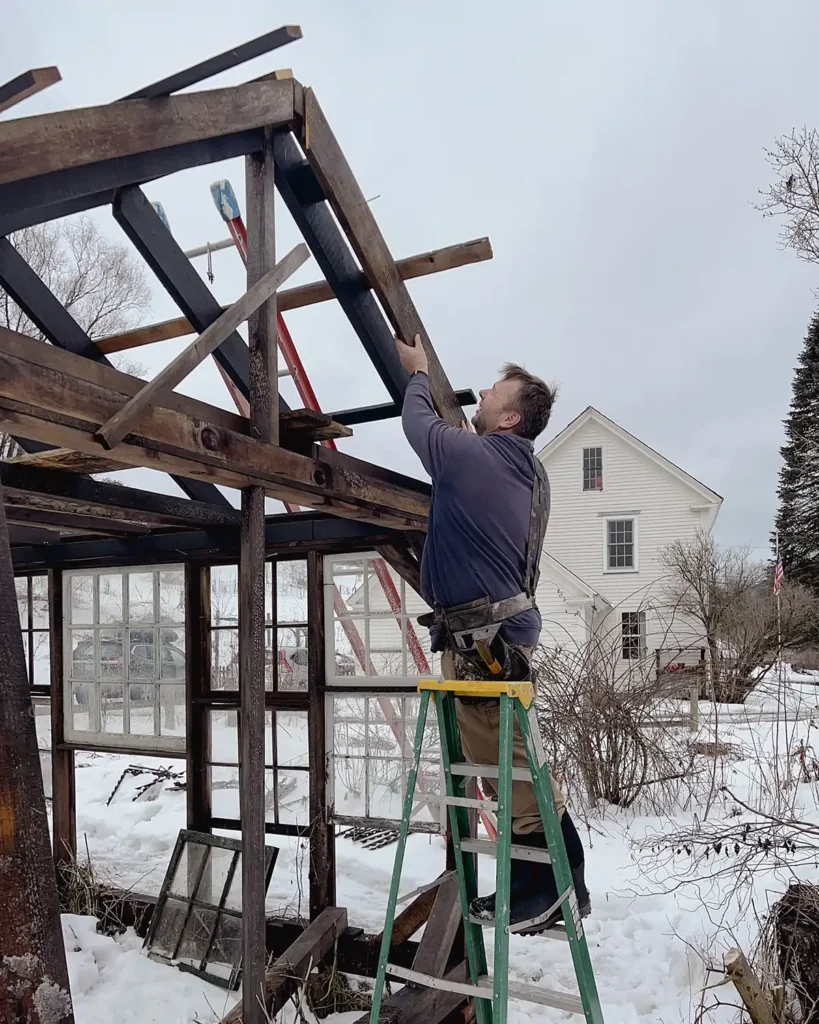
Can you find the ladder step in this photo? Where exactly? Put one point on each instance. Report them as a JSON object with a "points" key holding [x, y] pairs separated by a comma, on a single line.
{"points": [[483, 990], [557, 931], [490, 849], [469, 801], [487, 771]]}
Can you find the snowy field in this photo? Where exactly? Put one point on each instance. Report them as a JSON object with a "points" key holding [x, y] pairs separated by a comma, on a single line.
{"points": [[658, 918]]}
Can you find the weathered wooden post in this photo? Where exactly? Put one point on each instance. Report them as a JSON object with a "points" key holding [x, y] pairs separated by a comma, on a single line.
{"points": [[33, 973]]}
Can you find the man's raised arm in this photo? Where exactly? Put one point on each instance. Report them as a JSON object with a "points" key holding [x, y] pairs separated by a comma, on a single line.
{"points": [[432, 439]]}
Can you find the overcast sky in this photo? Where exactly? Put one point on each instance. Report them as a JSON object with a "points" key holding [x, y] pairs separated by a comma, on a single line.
{"points": [[611, 151]]}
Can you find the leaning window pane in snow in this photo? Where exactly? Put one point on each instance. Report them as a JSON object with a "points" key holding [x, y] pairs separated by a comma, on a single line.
{"points": [[189, 870], [167, 934]]}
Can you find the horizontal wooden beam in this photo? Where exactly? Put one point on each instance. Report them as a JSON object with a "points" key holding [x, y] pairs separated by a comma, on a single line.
{"points": [[154, 392], [65, 493], [68, 461], [433, 262], [286, 535], [27, 84], [65, 523], [221, 62], [46, 143], [356, 218], [42, 401]]}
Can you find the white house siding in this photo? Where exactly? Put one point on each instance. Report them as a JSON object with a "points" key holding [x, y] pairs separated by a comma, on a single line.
{"points": [[564, 625], [634, 486]]}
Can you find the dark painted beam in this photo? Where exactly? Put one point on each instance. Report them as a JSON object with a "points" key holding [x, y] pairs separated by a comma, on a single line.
{"points": [[387, 411], [332, 252], [54, 491], [60, 193], [180, 279], [221, 62], [27, 84], [294, 533]]}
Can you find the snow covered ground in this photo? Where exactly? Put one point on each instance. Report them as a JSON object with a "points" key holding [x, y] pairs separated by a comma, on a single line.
{"points": [[649, 935]]}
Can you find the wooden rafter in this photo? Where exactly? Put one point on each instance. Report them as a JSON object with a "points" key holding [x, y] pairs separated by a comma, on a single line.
{"points": [[27, 84], [425, 263], [44, 402], [154, 392], [356, 217], [47, 143]]}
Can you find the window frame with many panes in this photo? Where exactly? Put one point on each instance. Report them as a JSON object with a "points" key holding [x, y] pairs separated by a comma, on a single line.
{"points": [[593, 468], [110, 658], [609, 542]]}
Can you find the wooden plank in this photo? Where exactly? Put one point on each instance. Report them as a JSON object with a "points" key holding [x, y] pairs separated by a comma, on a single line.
{"points": [[64, 459], [112, 432], [404, 563], [436, 943], [56, 492], [30, 82], [49, 405], [221, 62], [423, 1006], [251, 751], [261, 329], [413, 917], [356, 217], [311, 948], [63, 785], [322, 868], [76, 138], [197, 684], [33, 973], [66, 523], [433, 262]]}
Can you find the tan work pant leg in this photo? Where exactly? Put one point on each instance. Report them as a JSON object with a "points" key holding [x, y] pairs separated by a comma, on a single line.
{"points": [[479, 725]]}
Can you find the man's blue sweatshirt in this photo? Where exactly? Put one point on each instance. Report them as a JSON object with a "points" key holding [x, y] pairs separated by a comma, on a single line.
{"points": [[479, 514]]}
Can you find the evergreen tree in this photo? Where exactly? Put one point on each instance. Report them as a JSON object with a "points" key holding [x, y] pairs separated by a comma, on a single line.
{"points": [[798, 516]]}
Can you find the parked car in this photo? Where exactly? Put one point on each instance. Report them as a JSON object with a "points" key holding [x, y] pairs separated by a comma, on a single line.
{"points": [[142, 661]]}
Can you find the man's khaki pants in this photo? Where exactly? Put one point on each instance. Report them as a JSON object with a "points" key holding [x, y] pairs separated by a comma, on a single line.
{"points": [[479, 724]]}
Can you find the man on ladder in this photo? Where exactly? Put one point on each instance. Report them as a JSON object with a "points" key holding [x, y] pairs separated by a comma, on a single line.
{"points": [[479, 572]]}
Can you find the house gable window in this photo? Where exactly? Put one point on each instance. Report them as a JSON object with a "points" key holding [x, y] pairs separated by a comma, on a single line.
{"points": [[620, 545], [592, 469], [634, 635]]}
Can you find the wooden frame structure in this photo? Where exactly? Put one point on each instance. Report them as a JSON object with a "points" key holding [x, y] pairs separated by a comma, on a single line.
{"points": [[74, 414]]}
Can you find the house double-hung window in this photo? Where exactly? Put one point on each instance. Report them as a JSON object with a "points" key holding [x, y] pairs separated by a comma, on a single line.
{"points": [[592, 469], [634, 635], [621, 545]]}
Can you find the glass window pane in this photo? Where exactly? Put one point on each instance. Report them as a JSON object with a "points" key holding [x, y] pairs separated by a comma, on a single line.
{"points": [[292, 659], [172, 654], [42, 659], [233, 900], [196, 936], [224, 736], [169, 929], [142, 708], [21, 589], [39, 602], [110, 597], [172, 595], [224, 659], [81, 590], [188, 869], [224, 595], [269, 569], [291, 738], [385, 788], [142, 655], [294, 797], [111, 711], [172, 709], [141, 597], [82, 706], [82, 654], [111, 665], [224, 785], [349, 647], [25, 653], [216, 875], [225, 957], [291, 591]]}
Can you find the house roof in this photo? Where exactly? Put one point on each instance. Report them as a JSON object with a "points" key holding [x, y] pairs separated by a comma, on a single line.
{"points": [[592, 414]]}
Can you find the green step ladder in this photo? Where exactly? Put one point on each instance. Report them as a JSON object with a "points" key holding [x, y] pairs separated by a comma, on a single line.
{"points": [[491, 995]]}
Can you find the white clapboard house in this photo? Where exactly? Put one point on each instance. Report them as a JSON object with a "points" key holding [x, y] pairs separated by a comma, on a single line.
{"points": [[616, 504]]}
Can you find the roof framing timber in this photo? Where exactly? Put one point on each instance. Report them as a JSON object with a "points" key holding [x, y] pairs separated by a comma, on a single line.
{"points": [[27, 84], [433, 262], [40, 399]]}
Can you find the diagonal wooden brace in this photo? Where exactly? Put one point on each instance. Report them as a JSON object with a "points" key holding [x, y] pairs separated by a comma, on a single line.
{"points": [[121, 423]]}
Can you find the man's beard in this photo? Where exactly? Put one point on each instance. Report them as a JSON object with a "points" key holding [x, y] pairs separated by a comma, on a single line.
{"points": [[479, 424]]}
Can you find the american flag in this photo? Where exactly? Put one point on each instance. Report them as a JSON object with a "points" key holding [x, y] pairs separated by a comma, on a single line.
{"points": [[779, 575]]}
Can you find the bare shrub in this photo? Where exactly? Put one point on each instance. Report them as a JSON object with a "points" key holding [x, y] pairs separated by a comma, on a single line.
{"points": [[603, 723]]}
